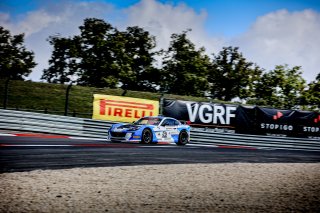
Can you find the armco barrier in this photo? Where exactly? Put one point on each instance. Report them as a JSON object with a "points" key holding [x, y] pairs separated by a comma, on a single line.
{"points": [[37, 122], [254, 141]]}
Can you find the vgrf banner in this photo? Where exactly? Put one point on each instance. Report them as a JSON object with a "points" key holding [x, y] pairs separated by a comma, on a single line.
{"points": [[201, 114], [123, 109]]}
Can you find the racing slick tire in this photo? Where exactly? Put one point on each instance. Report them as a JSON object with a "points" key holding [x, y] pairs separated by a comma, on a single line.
{"points": [[146, 136], [183, 138]]}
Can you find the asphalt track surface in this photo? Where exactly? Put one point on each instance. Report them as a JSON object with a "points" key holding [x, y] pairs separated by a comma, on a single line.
{"points": [[31, 153]]}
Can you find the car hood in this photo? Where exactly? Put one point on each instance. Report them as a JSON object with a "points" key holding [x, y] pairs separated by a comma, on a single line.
{"points": [[126, 126]]}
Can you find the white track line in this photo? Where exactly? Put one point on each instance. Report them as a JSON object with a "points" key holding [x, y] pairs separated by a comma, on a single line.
{"points": [[202, 145], [6, 134], [35, 145], [84, 138]]}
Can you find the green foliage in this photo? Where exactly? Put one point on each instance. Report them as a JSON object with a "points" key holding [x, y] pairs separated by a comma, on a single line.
{"points": [[102, 56], [232, 76], [95, 55], [15, 61], [281, 87], [311, 95], [63, 64], [185, 68], [135, 60]]}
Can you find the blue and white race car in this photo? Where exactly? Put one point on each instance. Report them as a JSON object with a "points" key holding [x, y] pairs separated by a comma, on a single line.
{"points": [[151, 130]]}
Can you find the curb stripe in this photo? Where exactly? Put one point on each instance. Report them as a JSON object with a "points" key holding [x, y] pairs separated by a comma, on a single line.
{"points": [[30, 145], [92, 139], [5, 134], [70, 145], [40, 135]]}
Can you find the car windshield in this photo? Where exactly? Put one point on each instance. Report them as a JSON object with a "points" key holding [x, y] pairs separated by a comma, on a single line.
{"points": [[148, 121]]}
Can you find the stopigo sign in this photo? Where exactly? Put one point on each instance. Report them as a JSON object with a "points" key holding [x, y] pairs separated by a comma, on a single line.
{"points": [[260, 120], [201, 114]]}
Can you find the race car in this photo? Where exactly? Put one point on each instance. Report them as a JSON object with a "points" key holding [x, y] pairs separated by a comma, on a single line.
{"points": [[151, 129]]}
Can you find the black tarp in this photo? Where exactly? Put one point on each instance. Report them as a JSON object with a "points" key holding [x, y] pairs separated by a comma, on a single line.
{"points": [[245, 119], [260, 120], [306, 124]]}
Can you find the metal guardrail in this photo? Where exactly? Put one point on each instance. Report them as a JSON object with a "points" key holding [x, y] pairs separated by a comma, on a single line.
{"points": [[45, 123], [254, 141]]}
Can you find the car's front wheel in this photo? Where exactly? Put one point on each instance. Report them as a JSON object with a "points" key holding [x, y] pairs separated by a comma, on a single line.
{"points": [[183, 138], [146, 136]]}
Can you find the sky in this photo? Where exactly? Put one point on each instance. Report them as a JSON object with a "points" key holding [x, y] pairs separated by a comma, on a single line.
{"points": [[267, 32]]}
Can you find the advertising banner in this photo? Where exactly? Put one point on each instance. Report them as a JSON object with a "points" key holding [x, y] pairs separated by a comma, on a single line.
{"points": [[201, 114], [244, 119], [122, 109], [307, 124], [274, 121], [270, 121]]}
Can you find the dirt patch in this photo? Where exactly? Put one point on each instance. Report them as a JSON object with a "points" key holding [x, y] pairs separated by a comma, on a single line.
{"points": [[234, 187]]}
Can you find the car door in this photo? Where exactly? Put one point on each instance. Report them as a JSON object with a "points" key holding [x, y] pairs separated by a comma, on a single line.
{"points": [[171, 127]]}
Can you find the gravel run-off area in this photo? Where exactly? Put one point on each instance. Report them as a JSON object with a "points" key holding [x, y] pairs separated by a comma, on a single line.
{"points": [[232, 187]]}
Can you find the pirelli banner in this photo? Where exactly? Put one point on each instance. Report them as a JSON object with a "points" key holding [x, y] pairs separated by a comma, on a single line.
{"points": [[201, 114], [122, 109]]}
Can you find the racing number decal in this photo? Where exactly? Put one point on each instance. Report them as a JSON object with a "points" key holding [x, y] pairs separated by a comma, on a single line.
{"points": [[164, 134]]}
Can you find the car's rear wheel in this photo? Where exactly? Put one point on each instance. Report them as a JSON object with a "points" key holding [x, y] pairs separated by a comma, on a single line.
{"points": [[146, 136], [183, 138]]}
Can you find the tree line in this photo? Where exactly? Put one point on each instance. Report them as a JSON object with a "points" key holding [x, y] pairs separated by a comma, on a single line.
{"points": [[103, 56]]}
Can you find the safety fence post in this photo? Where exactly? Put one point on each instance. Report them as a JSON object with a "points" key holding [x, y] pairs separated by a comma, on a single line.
{"points": [[5, 98], [67, 100], [161, 104]]}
